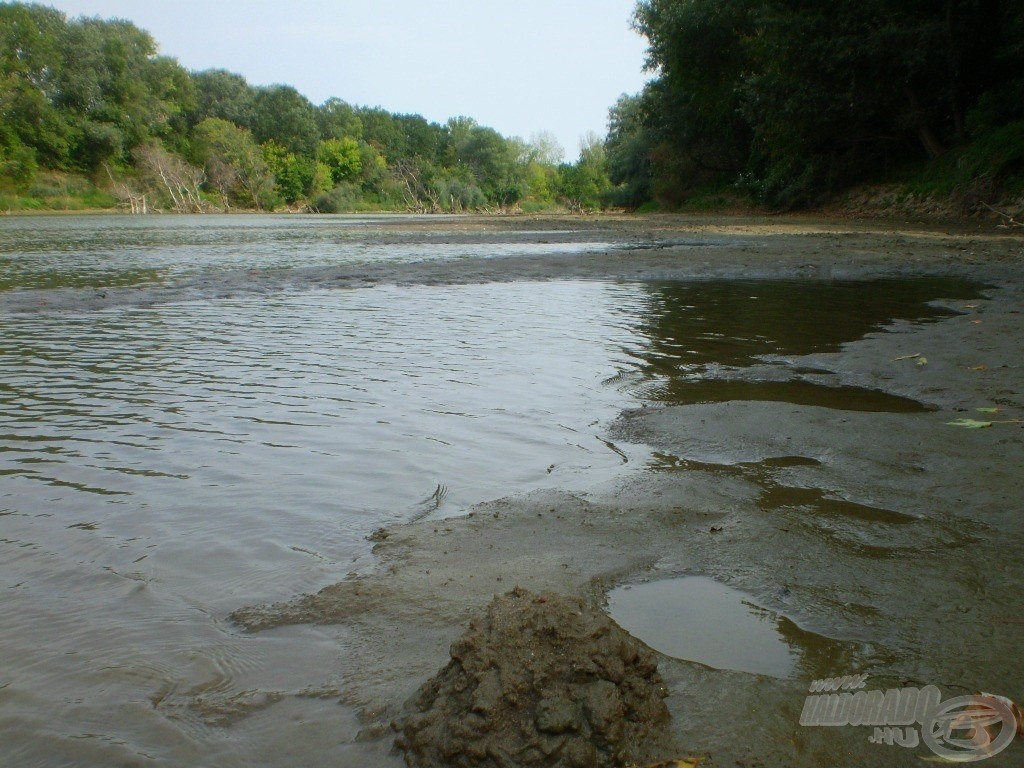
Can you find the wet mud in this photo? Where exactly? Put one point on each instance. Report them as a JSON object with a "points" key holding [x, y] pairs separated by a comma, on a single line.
{"points": [[881, 538], [539, 680]]}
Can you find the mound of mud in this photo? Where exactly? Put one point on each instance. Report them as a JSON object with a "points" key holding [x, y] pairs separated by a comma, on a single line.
{"points": [[539, 680]]}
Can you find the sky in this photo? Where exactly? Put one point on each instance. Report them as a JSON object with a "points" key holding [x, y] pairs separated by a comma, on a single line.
{"points": [[522, 67]]}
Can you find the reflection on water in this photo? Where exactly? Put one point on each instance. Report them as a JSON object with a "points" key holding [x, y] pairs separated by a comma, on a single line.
{"points": [[699, 619], [701, 332], [736, 322]]}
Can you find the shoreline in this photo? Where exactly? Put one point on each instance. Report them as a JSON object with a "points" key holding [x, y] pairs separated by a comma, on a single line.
{"points": [[642, 248], [920, 563]]}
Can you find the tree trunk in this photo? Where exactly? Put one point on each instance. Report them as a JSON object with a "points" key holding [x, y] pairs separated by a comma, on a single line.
{"points": [[925, 133], [955, 102]]}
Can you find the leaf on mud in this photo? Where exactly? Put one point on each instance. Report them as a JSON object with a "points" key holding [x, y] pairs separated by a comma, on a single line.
{"points": [[987, 410], [922, 360], [686, 762], [907, 357], [969, 423]]}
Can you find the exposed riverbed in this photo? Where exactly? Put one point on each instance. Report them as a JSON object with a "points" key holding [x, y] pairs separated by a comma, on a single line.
{"points": [[209, 421]]}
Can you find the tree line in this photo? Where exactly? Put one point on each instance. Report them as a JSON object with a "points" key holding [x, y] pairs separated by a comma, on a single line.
{"points": [[791, 100], [90, 102], [783, 101]]}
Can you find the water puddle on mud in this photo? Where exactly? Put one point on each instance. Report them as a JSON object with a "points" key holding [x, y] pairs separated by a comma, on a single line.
{"points": [[696, 618], [795, 392], [716, 341]]}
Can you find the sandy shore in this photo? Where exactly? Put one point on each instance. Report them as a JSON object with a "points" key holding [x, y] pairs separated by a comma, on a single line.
{"points": [[903, 563]]}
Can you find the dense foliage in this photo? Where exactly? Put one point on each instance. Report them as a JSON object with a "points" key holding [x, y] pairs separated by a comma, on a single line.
{"points": [[793, 99], [785, 100], [88, 104]]}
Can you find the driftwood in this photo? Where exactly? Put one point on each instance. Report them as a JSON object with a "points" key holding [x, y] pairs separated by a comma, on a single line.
{"points": [[137, 202], [1009, 221]]}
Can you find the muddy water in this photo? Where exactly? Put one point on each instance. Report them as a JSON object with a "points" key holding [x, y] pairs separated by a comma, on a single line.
{"points": [[161, 466]]}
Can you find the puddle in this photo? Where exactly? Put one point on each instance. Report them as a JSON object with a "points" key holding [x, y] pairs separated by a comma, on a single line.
{"points": [[736, 322], [705, 338], [699, 619], [759, 472], [815, 500]]}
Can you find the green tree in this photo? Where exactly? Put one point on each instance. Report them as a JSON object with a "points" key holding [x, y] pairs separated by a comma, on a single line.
{"points": [[629, 147], [799, 98], [283, 115], [224, 95], [338, 119], [493, 161], [29, 60], [381, 131], [235, 164], [294, 175], [585, 183], [342, 159], [17, 163]]}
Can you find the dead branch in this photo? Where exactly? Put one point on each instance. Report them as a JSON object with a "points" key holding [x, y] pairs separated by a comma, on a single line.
{"points": [[1010, 221]]}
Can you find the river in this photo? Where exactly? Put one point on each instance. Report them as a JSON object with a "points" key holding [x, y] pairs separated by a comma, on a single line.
{"points": [[185, 450]]}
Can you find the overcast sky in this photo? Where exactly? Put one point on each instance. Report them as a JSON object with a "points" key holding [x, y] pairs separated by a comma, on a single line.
{"points": [[520, 67]]}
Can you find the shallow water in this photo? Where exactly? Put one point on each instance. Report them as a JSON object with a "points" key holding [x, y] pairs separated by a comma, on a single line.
{"points": [[109, 251], [163, 466], [699, 619]]}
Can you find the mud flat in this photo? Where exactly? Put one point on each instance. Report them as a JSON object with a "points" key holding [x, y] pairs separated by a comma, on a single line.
{"points": [[600, 248], [878, 542]]}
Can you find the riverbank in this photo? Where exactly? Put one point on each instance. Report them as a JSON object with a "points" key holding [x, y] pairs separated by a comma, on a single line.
{"points": [[889, 541]]}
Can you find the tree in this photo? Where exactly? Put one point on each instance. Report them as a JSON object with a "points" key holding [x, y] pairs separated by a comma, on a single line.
{"points": [[584, 184], [630, 148], [492, 160], [103, 85], [17, 163], [544, 148], [294, 175], [283, 115], [796, 99], [234, 163], [379, 131], [168, 172], [342, 159], [224, 95], [29, 56], [693, 126], [337, 119]]}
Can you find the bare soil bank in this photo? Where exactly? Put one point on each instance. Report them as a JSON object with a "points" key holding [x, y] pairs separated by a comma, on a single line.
{"points": [[892, 542]]}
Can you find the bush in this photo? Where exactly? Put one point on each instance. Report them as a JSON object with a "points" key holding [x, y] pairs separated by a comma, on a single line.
{"points": [[344, 198]]}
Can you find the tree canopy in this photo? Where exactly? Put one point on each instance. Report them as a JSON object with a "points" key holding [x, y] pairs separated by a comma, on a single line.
{"points": [[792, 99], [93, 98]]}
